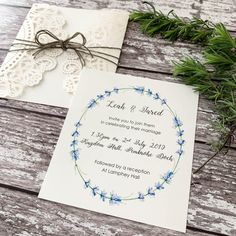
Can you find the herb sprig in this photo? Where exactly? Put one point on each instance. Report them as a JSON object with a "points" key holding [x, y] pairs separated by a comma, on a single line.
{"points": [[171, 26], [214, 76]]}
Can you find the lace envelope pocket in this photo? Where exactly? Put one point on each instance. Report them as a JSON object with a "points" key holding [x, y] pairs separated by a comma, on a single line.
{"points": [[53, 45]]}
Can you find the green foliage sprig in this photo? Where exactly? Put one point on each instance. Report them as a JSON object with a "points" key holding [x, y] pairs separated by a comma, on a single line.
{"points": [[214, 77], [172, 27]]}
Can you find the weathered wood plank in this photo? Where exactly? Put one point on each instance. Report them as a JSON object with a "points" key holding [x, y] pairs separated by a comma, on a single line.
{"points": [[27, 141], [22, 214], [205, 116], [18, 118], [202, 205], [138, 51], [25, 153], [13, 17], [223, 11], [204, 104], [3, 54], [131, 54]]}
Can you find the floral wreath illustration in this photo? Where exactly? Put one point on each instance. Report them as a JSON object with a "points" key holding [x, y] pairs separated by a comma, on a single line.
{"points": [[166, 178]]}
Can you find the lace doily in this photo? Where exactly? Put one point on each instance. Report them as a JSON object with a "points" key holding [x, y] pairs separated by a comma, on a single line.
{"points": [[20, 69], [72, 66]]}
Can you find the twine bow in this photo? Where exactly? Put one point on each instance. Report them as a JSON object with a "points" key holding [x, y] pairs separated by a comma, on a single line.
{"points": [[79, 48]]}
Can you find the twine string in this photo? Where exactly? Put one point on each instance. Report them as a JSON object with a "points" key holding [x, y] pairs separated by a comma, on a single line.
{"points": [[80, 48]]}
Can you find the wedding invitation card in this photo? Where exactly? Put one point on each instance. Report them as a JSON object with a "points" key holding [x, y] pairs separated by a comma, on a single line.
{"points": [[126, 149], [35, 73]]}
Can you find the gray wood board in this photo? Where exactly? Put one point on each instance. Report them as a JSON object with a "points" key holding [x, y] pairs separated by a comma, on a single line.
{"points": [[29, 132]]}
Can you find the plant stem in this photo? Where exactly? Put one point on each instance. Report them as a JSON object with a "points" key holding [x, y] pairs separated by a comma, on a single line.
{"points": [[214, 77], [228, 140]]}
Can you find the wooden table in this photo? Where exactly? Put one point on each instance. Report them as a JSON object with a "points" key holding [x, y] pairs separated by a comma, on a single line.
{"points": [[29, 132]]}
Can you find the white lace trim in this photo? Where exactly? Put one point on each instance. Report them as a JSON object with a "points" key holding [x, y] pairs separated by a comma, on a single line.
{"points": [[21, 69]]}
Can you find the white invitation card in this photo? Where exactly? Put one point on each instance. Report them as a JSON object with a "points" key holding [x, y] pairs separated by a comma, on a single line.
{"points": [[35, 73], [126, 149]]}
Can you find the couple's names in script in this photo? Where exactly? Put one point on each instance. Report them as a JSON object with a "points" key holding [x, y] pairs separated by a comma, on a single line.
{"points": [[136, 147], [144, 109]]}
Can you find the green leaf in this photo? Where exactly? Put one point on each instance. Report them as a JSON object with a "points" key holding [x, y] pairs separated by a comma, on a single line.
{"points": [[215, 76]]}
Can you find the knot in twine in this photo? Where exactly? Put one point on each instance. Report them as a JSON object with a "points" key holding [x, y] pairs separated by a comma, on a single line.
{"points": [[80, 48]]}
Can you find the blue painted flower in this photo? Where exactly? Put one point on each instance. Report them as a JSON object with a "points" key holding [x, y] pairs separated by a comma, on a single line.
{"points": [[116, 90], [139, 89], [74, 154], [108, 93], [78, 124], [100, 97], [177, 122], [103, 195], [156, 96], [163, 101], [180, 152], [92, 103], [181, 142], [151, 192], [180, 133], [114, 199], [75, 134], [168, 176], [141, 196], [149, 92], [87, 183], [159, 186], [74, 143], [94, 190]]}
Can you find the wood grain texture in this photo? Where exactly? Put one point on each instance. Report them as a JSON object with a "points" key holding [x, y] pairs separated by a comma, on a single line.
{"points": [[138, 51], [29, 132], [23, 215], [27, 144], [223, 11], [28, 139], [204, 104], [17, 118], [205, 117]]}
